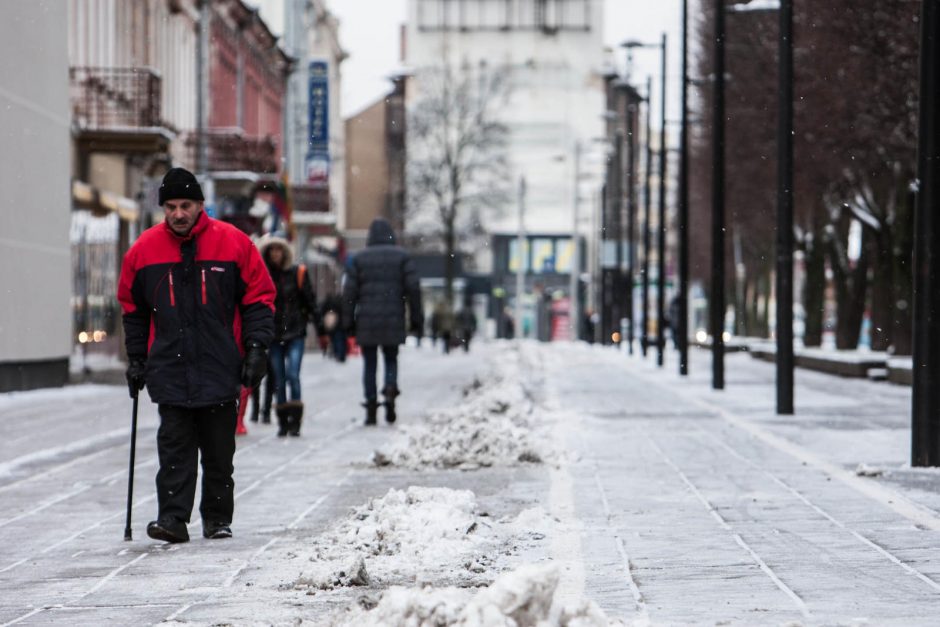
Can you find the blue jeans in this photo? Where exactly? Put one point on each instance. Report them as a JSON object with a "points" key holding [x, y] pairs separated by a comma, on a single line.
{"points": [[338, 339], [291, 352], [370, 359]]}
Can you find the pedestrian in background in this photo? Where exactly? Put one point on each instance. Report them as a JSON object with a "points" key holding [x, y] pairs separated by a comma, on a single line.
{"points": [[261, 401], [466, 325], [379, 282], [198, 313], [294, 308], [445, 322]]}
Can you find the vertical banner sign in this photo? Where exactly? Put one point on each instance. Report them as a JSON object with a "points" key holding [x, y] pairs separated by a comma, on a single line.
{"points": [[318, 140]]}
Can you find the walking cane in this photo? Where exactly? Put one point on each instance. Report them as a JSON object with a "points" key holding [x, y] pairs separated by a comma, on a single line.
{"points": [[130, 474]]}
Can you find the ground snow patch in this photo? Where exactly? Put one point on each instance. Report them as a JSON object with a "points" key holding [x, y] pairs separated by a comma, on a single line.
{"points": [[493, 425], [525, 596], [407, 536], [864, 470]]}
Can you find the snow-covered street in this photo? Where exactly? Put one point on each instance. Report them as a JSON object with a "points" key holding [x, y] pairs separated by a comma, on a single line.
{"points": [[549, 484]]}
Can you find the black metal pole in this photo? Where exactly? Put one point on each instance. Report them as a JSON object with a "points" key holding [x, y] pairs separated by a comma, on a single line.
{"points": [[681, 325], [130, 473], [631, 213], [616, 209], [925, 419], [661, 227], [717, 300], [785, 215], [648, 188]]}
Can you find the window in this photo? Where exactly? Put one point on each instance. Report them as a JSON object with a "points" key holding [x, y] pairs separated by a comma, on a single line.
{"points": [[490, 15]]}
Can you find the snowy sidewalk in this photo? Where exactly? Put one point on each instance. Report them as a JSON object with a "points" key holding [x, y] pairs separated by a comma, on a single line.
{"points": [[726, 512], [566, 474]]}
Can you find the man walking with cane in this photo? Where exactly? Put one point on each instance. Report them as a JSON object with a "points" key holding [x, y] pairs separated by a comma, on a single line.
{"points": [[198, 310]]}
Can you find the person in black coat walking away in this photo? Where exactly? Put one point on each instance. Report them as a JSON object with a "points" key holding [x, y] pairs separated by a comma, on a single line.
{"points": [[466, 325], [294, 307], [380, 280]]}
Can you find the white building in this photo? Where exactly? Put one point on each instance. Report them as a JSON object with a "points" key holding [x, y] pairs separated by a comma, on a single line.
{"points": [[35, 322], [554, 52]]}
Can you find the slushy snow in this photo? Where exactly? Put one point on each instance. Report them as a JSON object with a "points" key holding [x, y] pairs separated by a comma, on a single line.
{"points": [[496, 424], [525, 596], [408, 536]]}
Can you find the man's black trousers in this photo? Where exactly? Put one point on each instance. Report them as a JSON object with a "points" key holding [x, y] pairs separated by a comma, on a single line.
{"points": [[184, 434]]}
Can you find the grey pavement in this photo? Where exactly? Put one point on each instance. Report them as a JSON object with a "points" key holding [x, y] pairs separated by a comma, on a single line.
{"points": [[679, 505]]}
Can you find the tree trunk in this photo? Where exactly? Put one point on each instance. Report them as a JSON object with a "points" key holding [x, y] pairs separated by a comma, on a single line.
{"points": [[763, 320], [814, 292], [851, 287], [449, 257], [882, 290]]}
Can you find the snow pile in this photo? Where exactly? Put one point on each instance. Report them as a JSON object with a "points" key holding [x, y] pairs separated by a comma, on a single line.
{"points": [[864, 470], [525, 596], [493, 425], [405, 536]]}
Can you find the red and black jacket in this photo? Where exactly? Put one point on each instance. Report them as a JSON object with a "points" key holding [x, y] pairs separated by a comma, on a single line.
{"points": [[190, 304]]}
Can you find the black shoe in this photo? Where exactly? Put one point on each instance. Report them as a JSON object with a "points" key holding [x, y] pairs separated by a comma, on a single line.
{"points": [[216, 530], [168, 530]]}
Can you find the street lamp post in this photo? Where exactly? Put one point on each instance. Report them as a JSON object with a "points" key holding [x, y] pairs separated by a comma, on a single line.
{"points": [[784, 248], [647, 188], [681, 326], [615, 188], [631, 216], [573, 297], [785, 215], [661, 235], [717, 300], [925, 418], [521, 252], [661, 259]]}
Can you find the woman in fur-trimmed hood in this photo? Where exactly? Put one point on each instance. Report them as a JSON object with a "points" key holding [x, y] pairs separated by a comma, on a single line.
{"points": [[294, 307]]}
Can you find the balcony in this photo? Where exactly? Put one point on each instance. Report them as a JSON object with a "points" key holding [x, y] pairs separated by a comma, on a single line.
{"points": [[229, 150], [118, 109]]}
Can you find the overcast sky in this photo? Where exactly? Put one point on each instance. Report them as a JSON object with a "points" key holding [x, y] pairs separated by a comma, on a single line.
{"points": [[369, 31]]}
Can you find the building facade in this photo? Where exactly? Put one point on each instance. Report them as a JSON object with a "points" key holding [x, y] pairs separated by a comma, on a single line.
{"points": [[154, 84], [314, 133], [553, 54], [375, 165], [34, 219], [241, 146]]}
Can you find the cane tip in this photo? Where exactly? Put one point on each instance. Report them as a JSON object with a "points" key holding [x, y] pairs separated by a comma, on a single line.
{"points": [[127, 536]]}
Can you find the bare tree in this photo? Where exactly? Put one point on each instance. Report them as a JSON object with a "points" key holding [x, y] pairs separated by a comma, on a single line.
{"points": [[855, 142], [457, 163]]}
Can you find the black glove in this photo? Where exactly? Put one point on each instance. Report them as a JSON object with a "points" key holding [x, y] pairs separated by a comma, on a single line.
{"points": [[135, 376], [255, 364]]}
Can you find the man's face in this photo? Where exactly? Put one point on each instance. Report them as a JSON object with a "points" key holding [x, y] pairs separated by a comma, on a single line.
{"points": [[181, 214]]}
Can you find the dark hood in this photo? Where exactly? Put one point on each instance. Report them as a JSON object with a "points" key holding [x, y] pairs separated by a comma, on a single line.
{"points": [[380, 232]]}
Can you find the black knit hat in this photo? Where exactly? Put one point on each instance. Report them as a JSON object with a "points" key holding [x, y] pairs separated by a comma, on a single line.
{"points": [[179, 183]]}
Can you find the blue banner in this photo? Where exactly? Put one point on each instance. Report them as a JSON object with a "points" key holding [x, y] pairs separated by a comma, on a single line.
{"points": [[318, 139]]}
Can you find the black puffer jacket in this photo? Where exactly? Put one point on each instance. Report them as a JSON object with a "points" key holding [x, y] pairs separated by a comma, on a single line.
{"points": [[379, 281], [296, 302]]}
